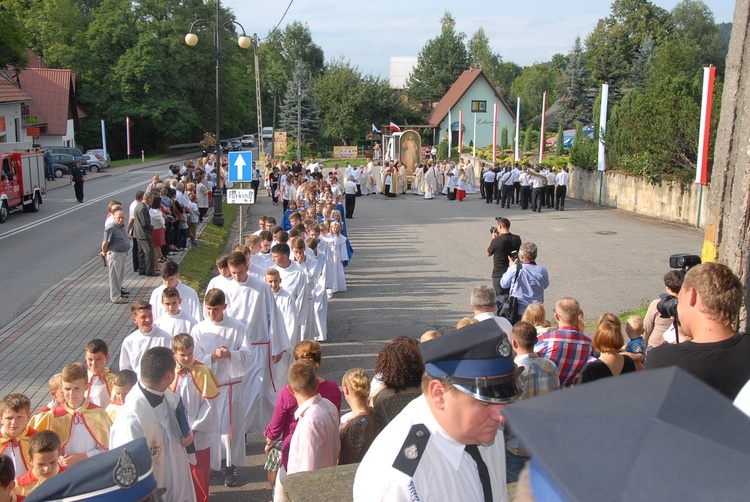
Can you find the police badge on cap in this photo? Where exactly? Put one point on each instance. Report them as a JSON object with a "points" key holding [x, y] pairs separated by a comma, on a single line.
{"points": [[477, 360]]}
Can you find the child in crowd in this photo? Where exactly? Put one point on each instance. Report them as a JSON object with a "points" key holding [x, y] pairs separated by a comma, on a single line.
{"points": [[429, 335], [15, 411], [466, 321], [221, 343], [287, 310], [337, 244], [315, 442], [100, 379], [193, 219], [537, 317], [44, 452], [197, 386], [124, 382], [83, 427], [170, 278], [139, 341], [224, 278], [7, 481], [357, 427], [55, 390], [635, 347], [174, 320]]}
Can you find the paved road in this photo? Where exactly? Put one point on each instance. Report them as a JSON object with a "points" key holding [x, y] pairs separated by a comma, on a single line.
{"points": [[414, 267]]}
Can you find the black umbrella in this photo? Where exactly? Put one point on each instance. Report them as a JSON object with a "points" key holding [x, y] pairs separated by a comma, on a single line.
{"points": [[653, 435]]}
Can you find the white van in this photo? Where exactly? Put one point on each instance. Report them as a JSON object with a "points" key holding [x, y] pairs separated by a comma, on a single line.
{"points": [[268, 133]]}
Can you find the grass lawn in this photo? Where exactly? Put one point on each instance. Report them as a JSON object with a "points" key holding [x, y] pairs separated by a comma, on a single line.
{"points": [[196, 268]]}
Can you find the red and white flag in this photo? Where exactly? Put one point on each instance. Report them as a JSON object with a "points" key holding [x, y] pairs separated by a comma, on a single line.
{"points": [[395, 128]]}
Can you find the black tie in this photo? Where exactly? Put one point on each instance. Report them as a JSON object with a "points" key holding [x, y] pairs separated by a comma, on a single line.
{"points": [[484, 474]]}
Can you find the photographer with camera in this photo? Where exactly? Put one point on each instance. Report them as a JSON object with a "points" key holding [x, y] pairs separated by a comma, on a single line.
{"points": [[525, 279], [708, 307], [654, 324], [502, 245]]}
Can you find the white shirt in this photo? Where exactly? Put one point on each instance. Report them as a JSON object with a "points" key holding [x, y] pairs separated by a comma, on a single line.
{"points": [[182, 322], [523, 179], [315, 442], [136, 344], [563, 178], [190, 302], [445, 470], [489, 177], [504, 324]]}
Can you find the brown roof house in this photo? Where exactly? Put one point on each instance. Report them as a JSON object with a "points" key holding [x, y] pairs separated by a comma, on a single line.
{"points": [[12, 100], [54, 109], [474, 94]]}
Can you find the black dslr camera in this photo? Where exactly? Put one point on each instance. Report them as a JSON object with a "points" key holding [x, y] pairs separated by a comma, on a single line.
{"points": [[667, 306]]}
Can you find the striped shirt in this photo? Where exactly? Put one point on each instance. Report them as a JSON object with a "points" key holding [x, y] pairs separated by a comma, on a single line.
{"points": [[568, 349], [540, 375]]}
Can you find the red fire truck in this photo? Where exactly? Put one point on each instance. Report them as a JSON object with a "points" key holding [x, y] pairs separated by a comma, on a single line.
{"points": [[22, 182]]}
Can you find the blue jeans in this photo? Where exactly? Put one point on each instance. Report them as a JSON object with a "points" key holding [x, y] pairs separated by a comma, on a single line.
{"points": [[513, 466]]}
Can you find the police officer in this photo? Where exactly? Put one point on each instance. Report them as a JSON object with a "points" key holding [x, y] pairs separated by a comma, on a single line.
{"points": [[77, 177], [448, 443]]}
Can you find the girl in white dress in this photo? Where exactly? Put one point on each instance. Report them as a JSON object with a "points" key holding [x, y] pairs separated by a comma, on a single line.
{"points": [[337, 244]]}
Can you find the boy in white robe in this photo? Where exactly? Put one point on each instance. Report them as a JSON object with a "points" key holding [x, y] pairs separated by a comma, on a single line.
{"points": [[145, 337], [198, 387], [222, 280], [287, 311], [309, 265], [295, 281], [150, 412], [174, 320], [222, 344], [101, 380], [170, 277], [250, 301]]}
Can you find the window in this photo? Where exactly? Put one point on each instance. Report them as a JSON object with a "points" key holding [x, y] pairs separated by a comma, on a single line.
{"points": [[479, 106]]}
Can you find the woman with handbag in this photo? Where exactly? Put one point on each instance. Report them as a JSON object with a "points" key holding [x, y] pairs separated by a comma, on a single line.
{"points": [[526, 280]]}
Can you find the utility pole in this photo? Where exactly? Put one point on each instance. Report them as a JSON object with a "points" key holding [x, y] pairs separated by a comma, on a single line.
{"points": [[259, 112], [727, 239]]}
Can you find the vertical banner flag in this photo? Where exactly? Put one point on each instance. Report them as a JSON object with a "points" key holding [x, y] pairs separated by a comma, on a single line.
{"points": [[603, 125], [518, 127], [701, 173], [460, 131], [494, 135], [474, 143], [450, 134], [104, 139], [541, 131], [127, 133]]}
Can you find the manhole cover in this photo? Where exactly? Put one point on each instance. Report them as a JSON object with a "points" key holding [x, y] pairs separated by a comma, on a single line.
{"points": [[606, 232]]}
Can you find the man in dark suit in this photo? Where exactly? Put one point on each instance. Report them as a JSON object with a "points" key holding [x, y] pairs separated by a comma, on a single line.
{"points": [[142, 228]]}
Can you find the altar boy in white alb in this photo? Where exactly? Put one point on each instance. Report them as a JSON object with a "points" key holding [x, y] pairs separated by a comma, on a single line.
{"points": [[250, 301], [221, 343], [287, 311], [174, 320], [150, 412]]}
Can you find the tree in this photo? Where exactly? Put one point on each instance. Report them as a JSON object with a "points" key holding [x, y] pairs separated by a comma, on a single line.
{"points": [[340, 94], [612, 47], [13, 39], [299, 102], [560, 141], [441, 61], [527, 139], [504, 138], [481, 55], [530, 86], [642, 63], [575, 103]]}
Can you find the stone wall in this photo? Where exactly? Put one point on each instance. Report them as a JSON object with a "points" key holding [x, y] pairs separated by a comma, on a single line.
{"points": [[669, 201]]}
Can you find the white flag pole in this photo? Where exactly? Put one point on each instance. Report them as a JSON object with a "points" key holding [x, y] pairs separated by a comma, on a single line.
{"points": [[518, 127], [602, 134]]}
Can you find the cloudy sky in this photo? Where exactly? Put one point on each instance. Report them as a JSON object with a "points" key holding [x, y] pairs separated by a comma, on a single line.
{"points": [[369, 33]]}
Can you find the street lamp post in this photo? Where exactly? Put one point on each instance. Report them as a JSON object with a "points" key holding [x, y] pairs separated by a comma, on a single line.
{"points": [[244, 42]]}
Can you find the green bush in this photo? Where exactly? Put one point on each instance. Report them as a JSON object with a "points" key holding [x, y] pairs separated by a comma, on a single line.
{"points": [[584, 154], [291, 150], [504, 138]]}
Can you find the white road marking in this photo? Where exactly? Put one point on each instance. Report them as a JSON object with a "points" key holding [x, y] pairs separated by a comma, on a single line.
{"points": [[66, 212]]}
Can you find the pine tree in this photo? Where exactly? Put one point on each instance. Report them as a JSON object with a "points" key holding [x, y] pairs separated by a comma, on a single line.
{"points": [[298, 91], [642, 63], [527, 139], [574, 101], [441, 61], [560, 141]]}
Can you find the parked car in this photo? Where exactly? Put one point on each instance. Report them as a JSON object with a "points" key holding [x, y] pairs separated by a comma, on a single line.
{"points": [[95, 162], [248, 140], [60, 170], [225, 145], [568, 136], [236, 144], [99, 153], [75, 152], [63, 159]]}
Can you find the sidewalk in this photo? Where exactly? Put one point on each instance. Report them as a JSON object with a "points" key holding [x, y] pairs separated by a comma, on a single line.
{"points": [[54, 331]]}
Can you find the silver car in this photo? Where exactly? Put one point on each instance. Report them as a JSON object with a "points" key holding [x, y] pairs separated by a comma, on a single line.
{"points": [[95, 162]]}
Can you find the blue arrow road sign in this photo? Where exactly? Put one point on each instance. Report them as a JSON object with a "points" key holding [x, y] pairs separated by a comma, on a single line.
{"points": [[241, 166]]}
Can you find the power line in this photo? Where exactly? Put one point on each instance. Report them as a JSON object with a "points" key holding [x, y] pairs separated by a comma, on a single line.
{"points": [[280, 20]]}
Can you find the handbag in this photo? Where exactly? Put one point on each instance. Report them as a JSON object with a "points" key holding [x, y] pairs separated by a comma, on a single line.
{"points": [[507, 305]]}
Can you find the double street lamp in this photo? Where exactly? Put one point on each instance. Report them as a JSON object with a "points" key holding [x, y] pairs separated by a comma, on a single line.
{"points": [[244, 42]]}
